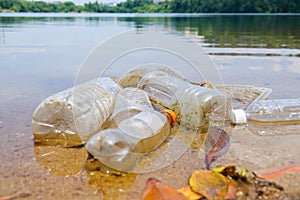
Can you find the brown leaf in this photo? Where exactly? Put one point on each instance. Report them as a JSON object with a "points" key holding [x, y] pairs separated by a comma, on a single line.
{"points": [[217, 143], [156, 190], [279, 172], [212, 185], [231, 191]]}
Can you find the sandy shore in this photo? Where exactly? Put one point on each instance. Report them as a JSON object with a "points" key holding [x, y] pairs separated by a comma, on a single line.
{"points": [[59, 173]]}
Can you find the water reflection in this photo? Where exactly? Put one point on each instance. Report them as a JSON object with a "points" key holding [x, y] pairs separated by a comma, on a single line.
{"points": [[257, 52], [2, 37], [294, 66], [24, 21], [245, 31], [268, 31]]}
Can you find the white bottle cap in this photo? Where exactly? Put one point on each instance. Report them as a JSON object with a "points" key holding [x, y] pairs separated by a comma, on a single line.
{"points": [[238, 116]]}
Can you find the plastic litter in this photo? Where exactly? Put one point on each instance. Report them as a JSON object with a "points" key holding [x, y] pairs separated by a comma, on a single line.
{"points": [[70, 117], [194, 105]]}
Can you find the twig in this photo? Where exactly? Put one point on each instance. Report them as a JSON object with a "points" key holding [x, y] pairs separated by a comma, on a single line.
{"points": [[279, 172], [14, 196]]}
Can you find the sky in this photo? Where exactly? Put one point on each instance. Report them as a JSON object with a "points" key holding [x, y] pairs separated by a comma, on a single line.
{"points": [[81, 2]]}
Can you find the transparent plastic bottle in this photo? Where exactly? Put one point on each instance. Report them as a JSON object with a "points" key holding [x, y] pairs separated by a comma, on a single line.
{"points": [[243, 95], [194, 105], [129, 102], [133, 129], [132, 78], [70, 117], [270, 117]]}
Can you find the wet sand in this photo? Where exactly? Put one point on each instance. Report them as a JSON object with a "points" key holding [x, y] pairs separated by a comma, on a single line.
{"points": [[59, 173]]}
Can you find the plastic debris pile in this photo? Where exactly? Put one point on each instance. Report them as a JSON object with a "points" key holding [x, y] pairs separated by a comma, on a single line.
{"points": [[120, 120]]}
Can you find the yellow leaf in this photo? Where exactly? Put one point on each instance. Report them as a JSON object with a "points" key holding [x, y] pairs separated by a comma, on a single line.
{"points": [[190, 194], [210, 184]]}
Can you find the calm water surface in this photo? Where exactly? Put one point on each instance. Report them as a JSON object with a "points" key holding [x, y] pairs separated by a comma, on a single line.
{"points": [[41, 54]]}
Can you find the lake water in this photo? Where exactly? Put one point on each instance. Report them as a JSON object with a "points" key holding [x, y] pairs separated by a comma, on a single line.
{"points": [[41, 54]]}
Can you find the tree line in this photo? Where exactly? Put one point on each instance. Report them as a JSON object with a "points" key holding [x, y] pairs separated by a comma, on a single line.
{"points": [[166, 6]]}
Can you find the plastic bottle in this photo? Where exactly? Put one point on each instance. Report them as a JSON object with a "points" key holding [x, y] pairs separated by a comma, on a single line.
{"points": [[270, 117], [133, 129], [129, 102], [194, 105], [243, 95], [132, 78], [70, 117]]}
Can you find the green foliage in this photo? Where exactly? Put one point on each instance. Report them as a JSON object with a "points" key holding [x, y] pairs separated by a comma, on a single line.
{"points": [[209, 6], [38, 6], [166, 6]]}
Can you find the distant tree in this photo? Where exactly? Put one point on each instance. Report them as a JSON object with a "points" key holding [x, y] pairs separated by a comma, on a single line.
{"points": [[69, 6], [19, 6], [92, 7], [146, 6], [7, 4]]}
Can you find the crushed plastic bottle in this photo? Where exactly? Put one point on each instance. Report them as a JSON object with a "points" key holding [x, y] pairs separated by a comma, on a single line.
{"points": [[243, 95], [132, 130], [70, 117], [270, 117], [194, 105]]}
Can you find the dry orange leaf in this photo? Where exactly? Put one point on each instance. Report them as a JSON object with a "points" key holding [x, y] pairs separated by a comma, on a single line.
{"points": [[212, 185], [190, 194], [156, 190]]}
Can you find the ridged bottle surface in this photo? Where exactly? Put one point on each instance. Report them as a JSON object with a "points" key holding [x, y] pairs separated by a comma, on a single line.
{"points": [[70, 117], [132, 78], [281, 111], [142, 133], [133, 129], [271, 117], [194, 105]]}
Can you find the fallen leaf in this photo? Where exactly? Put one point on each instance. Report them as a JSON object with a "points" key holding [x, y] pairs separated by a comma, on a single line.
{"points": [[236, 173], [248, 185], [279, 172], [231, 191], [156, 190], [212, 185], [217, 142], [190, 194]]}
